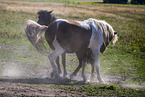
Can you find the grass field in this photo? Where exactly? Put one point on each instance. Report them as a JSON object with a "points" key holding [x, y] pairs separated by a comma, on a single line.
{"points": [[122, 65]]}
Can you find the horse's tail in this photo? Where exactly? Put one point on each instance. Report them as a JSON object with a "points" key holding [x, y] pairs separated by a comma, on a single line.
{"points": [[34, 31]]}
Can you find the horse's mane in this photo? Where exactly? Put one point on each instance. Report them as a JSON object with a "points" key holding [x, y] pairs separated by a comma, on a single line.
{"points": [[106, 29]]}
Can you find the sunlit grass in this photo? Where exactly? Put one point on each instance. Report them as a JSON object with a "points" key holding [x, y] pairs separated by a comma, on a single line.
{"points": [[126, 59], [129, 29]]}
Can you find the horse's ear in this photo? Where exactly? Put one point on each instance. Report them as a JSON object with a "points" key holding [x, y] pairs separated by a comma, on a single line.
{"points": [[50, 11]]}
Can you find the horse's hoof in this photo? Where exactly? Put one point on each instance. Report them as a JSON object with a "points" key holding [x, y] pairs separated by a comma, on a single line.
{"points": [[92, 79], [59, 71], [101, 81], [72, 77], [53, 74], [88, 81], [64, 76], [84, 80]]}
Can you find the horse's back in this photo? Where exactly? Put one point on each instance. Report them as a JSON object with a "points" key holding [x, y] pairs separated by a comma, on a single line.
{"points": [[72, 36]]}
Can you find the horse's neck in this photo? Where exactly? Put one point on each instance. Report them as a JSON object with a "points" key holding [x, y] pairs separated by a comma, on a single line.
{"points": [[53, 18]]}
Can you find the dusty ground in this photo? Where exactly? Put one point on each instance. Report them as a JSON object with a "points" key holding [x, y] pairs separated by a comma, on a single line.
{"points": [[24, 73], [21, 77], [12, 89]]}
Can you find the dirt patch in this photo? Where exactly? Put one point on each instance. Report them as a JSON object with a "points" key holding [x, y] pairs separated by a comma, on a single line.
{"points": [[8, 89]]}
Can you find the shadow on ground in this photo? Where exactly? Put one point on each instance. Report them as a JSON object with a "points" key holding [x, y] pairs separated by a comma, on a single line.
{"points": [[63, 81]]}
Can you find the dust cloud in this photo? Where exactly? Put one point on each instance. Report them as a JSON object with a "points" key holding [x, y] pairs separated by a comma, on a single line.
{"points": [[12, 70]]}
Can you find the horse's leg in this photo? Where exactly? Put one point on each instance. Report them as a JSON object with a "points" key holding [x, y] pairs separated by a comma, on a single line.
{"points": [[52, 60], [83, 70], [79, 56], [77, 69], [90, 59], [92, 72], [64, 64], [58, 65], [84, 59], [96, 63], [52, 57]]}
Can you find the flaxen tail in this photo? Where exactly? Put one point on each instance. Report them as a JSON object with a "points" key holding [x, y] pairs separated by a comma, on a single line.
{"points": [[34, 31]]}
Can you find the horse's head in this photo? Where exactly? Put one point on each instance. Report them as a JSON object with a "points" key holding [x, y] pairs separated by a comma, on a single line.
{"points": [[108, 34], [45, 17]]}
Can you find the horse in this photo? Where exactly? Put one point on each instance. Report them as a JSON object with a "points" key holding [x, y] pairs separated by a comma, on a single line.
{"points": [[44, 19], [78, 37], [44, 16]]}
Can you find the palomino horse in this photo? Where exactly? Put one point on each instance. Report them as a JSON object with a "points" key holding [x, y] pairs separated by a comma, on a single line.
{"points": [[75, 36]]}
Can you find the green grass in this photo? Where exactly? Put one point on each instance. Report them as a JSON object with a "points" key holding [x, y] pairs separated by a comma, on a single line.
{"points": [[86, 2], [101, 90], [95, 90], [127, 55], [14, 45], [126, 59]]}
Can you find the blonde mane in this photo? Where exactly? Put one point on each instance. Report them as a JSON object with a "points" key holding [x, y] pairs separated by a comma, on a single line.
{"points": [[105, 28]]}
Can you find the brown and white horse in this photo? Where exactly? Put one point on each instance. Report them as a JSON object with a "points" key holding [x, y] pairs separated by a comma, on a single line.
{"points": [[80, 37], [44, 18]]}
